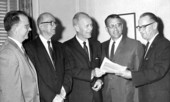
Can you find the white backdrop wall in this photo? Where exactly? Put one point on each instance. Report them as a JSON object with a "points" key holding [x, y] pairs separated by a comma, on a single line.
{"points": [[64, 10]]}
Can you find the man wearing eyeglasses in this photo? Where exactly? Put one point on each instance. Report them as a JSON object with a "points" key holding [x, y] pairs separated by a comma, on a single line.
{"points": [[49, 59], [153, 78], [124, 51]]}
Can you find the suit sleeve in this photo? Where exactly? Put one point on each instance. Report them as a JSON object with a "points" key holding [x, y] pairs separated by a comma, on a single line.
{"points": [[139, 52], [10, 79], [159, 67], [67, 72]]}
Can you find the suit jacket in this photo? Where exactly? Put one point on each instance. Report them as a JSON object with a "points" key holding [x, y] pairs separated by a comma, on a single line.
{"points": [[18, 78], [117, 89], [82, 83], [153, 79], [50, 79]]}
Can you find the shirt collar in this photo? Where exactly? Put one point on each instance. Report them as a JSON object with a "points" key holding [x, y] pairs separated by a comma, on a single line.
{"points": [[81, 42], [117, 40], [17, 42]]}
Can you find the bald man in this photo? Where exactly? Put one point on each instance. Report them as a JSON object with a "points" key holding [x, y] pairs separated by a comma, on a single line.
{"points": [[49, 59]]}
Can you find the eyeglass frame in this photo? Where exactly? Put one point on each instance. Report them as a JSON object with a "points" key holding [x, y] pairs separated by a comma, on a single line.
{"points": [[115, 25], [51, 23], [144, 26]]}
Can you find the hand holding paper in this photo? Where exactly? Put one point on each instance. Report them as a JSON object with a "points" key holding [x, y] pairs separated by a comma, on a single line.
{"points": [[97, 72], [125, 74], [111, 67]]}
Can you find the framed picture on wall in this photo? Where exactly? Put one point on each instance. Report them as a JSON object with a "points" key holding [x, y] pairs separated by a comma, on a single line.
{"points": [[129, 24]]}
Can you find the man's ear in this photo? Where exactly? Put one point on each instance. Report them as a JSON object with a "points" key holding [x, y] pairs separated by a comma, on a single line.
{"points": [[76, 27], [106, 29], [40, 26], [155, 25]]}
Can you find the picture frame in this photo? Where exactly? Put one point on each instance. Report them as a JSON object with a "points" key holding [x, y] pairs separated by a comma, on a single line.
{"points": [[129, 24]]}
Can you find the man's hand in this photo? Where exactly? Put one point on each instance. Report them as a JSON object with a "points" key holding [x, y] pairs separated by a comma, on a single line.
{"points": [[125, 74], [97, 72], [58, 98], [98, 85]]}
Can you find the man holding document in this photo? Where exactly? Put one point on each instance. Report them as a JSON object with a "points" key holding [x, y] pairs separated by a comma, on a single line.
{"points": [[153, 77], [118, 52]]}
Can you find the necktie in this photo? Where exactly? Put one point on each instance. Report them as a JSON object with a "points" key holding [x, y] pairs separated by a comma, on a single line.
{"points": [[146, 48], [26, 56], [86, 49], [51, 52], [24, 52], [112, 50]]}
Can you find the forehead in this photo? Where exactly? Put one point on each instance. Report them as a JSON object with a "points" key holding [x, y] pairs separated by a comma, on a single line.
{"points": [[113, 21], [48, 17], [144, 20], [85, 19]]}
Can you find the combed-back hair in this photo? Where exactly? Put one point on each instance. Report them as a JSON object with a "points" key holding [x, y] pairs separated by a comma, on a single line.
{"points": [[112, 16], [151, 15], [12, 18]]}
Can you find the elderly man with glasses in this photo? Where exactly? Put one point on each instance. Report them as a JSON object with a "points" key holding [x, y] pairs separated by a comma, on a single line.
{"points": [[49, 59], [153, 78]]}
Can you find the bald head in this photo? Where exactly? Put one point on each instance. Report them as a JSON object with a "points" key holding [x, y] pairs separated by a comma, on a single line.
{"points": [[46, 23], [78, 16], [44, 16]]}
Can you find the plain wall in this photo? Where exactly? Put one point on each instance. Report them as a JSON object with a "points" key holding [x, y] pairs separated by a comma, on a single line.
{"points": [[64, 10]]}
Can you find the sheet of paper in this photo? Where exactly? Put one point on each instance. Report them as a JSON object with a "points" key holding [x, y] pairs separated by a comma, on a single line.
{"points": [[111, 67]]}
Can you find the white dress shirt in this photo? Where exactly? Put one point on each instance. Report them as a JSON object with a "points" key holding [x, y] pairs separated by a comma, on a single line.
{"points": [[82, 45]]}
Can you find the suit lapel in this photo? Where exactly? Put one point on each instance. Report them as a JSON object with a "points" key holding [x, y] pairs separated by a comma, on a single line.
{"points": [[91, 50], [29, 63], [42, 52], [152, 46], [120, 47], [106, 49], [79, 48]]}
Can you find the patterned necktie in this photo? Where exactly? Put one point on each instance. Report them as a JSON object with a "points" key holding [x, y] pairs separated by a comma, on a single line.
{"points": [[112, 50], [86, 49]]}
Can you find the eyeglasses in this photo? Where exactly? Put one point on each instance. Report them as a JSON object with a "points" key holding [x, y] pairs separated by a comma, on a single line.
{"points": [[144, 26], [50, 22], [115, 26]]}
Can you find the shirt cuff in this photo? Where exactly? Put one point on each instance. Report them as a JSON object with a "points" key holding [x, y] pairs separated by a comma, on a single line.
{"points": [[63, 93]]}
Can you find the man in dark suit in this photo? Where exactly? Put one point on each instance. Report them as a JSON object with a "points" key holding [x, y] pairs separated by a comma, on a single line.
{"points": [[49, 59], [153, 78], [18, 77], [85, 56], [126, 52]]}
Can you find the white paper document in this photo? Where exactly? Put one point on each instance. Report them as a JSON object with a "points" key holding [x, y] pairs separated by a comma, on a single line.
{"points": [[111, 67]]}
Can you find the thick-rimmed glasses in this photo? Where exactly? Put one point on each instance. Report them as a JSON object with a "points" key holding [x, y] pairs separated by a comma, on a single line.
{"points": [[144, 26], [115, 26], [50, 22]]}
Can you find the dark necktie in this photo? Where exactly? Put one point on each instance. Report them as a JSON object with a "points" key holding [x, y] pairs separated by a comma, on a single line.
{"points": [[86, 49], [112, 50], [51, 52], [146, 48]]}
